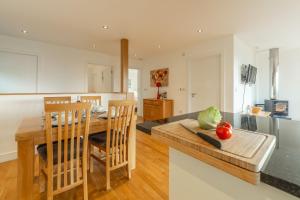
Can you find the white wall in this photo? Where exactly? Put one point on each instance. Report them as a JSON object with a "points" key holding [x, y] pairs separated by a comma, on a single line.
{"points": [[63, 69], [243, 54], [15, 108], [263, 73], [60, 69], [177, 79], [177, 62], [289, 80], [18, 72]]}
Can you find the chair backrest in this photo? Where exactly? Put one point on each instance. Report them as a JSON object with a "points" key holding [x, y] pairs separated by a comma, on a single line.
{"points": [[69, 129], [94, 100], [120, 118], [57, 100]]}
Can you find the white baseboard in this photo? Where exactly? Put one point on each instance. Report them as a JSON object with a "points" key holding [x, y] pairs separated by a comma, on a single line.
{"points": [[8, 156]]}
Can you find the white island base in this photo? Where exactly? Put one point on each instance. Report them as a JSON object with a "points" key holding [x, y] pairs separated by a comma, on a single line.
{"points": [[192, 179]]}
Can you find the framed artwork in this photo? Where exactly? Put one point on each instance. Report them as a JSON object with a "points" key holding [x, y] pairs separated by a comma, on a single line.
{"points": [[161, 76]]}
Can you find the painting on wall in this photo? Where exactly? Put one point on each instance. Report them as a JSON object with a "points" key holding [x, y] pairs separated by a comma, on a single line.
{"points": [[161, 76]]}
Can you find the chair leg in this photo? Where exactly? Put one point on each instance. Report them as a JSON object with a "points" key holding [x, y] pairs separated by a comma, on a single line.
{"points": [[37, 168], [107, 170], [85, 166], [85, 183], [49, 189], [90, 158], [129, 171], [85, 192], [108, 179], [40, 165]]}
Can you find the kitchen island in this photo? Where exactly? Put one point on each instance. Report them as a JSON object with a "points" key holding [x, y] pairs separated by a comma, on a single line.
{"points": [[279, 179]]}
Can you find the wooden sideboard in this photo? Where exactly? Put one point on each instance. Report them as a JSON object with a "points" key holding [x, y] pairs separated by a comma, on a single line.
{"points": [[157, 109]]}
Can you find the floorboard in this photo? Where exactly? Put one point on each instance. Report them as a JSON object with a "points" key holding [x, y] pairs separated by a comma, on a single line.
{"points": [[149, 179]]}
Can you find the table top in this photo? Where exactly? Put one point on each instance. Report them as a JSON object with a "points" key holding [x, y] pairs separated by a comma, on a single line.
{"points": [[34, 128]]}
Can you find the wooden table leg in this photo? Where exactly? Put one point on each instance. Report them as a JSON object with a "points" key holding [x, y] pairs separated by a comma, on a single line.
{"points": [[25, 169]]}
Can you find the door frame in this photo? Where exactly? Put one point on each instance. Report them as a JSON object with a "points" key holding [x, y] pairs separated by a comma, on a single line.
{"points": [[139, 89], [222, 78], [86, 79]]}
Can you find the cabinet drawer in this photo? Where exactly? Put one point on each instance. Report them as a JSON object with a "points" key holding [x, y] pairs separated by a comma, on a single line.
{"points": [[157, 109], [153, 102], [152, 112]]}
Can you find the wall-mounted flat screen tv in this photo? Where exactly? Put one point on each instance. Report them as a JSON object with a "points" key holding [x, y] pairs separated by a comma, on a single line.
{"points": [[248, 74]]}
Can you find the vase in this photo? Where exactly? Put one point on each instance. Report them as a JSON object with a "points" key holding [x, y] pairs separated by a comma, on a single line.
{"points": [[158, 95]]}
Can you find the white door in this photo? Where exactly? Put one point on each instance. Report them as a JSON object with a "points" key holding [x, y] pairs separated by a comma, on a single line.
{"points": [[205, 82]]}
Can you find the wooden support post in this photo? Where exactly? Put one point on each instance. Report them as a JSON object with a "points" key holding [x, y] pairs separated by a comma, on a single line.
{"points": [[124, 65]]}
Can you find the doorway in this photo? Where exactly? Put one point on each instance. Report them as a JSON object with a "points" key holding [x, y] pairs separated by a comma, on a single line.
{"points": [[134, 86], [204, 82], [99, 78]]}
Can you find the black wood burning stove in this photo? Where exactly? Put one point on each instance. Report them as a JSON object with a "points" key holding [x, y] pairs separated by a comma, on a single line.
{"points": [[278, 108]]}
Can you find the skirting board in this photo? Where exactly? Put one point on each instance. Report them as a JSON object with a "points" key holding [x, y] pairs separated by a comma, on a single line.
{"points": [[8, 156]]}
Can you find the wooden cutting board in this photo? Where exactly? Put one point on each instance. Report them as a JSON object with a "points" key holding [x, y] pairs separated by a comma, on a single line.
{"points": [[242, 143], [248, 150]]}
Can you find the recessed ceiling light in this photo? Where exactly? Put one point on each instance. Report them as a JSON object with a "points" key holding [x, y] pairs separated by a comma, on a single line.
{"points": [[199, 30], [24, 31], [105, 27]]}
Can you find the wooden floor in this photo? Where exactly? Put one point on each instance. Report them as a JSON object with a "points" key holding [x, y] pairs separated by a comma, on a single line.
{"points": [[149, 179]]}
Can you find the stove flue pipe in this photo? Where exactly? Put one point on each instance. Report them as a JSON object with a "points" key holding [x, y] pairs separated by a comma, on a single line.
{"points": [[274, 72]]}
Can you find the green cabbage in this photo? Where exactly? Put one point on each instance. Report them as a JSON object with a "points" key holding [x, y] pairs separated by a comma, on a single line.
{"points": [[209, 118]]}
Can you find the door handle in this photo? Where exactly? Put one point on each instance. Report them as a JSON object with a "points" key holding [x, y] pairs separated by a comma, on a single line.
{"points": [[194, 94]]}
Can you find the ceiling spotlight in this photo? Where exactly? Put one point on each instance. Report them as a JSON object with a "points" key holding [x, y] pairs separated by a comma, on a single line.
{"points": [[24, 31], [105, 27], [199, 30]]}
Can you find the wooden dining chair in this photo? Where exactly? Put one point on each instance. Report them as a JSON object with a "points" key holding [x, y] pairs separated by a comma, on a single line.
{"points": [[64, 157], [114, 143], [51, 100], [91, 99]]}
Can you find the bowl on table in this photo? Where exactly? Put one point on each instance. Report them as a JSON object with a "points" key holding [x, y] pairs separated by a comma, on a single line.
{"points": [[256, 110], [98, 109]]}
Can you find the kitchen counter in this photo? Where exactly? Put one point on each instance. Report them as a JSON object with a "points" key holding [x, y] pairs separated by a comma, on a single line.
{"points": [[283, 168]]}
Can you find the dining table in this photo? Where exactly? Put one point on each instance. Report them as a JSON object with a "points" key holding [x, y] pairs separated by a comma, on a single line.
{"points": [[31, 133]]}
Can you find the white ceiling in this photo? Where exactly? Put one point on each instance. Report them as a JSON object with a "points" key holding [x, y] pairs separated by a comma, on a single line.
{"points": [[171, 24]]}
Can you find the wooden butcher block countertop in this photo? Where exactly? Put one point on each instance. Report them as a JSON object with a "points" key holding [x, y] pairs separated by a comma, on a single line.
{"points": [[243, 155]]}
